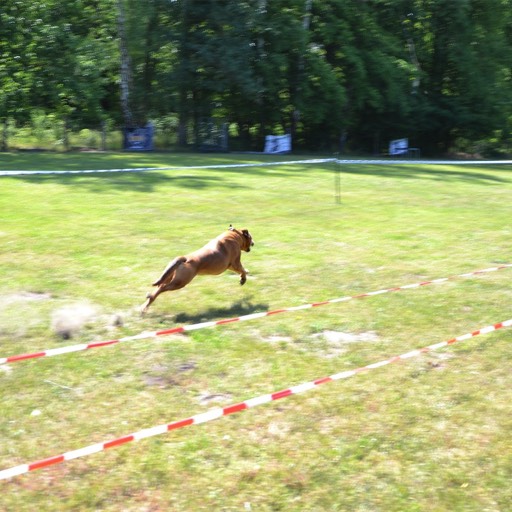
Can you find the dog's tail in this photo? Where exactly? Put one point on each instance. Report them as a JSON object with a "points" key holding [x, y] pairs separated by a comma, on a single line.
{"points": [[173, 265]]}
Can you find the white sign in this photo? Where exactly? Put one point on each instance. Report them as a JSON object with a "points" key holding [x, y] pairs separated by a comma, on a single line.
{"points": [[278, 143]]}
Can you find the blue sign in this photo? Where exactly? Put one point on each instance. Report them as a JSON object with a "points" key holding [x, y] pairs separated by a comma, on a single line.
{"points": [[139, 139]]}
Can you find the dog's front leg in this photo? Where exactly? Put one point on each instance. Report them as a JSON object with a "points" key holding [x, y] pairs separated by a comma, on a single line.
{"points": [[239, 269]]}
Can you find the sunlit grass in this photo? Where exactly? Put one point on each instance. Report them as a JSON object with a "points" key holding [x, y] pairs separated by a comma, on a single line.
{"points": [[431, 434]]}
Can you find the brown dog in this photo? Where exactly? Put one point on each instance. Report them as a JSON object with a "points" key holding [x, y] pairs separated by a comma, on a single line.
{"points": [[220, 254]]}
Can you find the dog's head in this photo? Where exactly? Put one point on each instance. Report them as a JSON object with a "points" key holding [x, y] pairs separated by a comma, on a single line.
{"points": [[247, 241]]}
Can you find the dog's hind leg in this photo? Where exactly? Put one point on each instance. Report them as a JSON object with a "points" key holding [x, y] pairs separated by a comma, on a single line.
{"points": [[150, 298], [167, 273], [179, 280], [146, 304], [163, 282]]}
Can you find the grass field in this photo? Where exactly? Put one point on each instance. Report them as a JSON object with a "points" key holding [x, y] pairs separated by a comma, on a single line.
{"points": [[431, 434]]}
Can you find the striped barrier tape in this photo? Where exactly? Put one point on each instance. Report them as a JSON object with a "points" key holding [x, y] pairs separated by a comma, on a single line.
{"points": [[193, 327], [217, 413]]}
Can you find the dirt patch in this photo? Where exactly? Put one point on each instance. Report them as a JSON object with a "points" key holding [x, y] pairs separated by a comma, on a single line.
{"points": [[344, 338], [207, 398], [437, 360], [277, 339], [163, 376], [160, 381], [24, 296], [336, 342]]}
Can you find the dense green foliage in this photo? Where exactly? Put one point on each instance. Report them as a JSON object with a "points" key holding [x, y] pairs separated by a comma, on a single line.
{"points": [[330, 71]]}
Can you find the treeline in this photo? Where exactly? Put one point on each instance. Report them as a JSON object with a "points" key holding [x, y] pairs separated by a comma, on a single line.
{"points": [[336, 74]]}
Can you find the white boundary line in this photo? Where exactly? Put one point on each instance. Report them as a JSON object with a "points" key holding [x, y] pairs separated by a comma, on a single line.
{"points": [[16, 172], [425, 162], [173, 168]]}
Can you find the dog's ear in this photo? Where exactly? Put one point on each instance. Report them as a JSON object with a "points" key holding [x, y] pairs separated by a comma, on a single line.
{"points": [[245, 232]]}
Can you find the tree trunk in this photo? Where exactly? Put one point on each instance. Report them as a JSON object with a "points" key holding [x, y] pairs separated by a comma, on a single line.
{"points": [[3, 145], [126, 76], [183, 116], [103, 135], [306, 22], [65, 133]]}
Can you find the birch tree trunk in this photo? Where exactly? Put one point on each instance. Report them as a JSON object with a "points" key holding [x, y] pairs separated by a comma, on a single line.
{"points": [[3, 144], [183, 112], [306, 22], [126, 75]]}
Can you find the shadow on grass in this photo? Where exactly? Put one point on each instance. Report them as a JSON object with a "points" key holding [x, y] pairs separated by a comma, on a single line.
{"points": [[135, 181], [239, 308], [430, 172], [185, 171], [147, 181], [55, 161], [232, 177]]}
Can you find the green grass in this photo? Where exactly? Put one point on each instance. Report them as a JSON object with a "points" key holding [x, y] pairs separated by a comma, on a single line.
{"points": [[430, 434]]}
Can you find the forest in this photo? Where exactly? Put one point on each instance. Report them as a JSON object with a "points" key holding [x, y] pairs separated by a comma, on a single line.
{"points": [[338, 75]]}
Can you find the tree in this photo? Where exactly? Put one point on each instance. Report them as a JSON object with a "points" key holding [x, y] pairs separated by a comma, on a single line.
{"points": [[465, 57], [214, 48], [16, 52], [368, 61], [437, 72]]}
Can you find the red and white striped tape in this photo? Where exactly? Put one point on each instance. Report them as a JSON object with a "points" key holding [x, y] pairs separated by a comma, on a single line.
{"points": [[192, 327], [216, 413]]}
